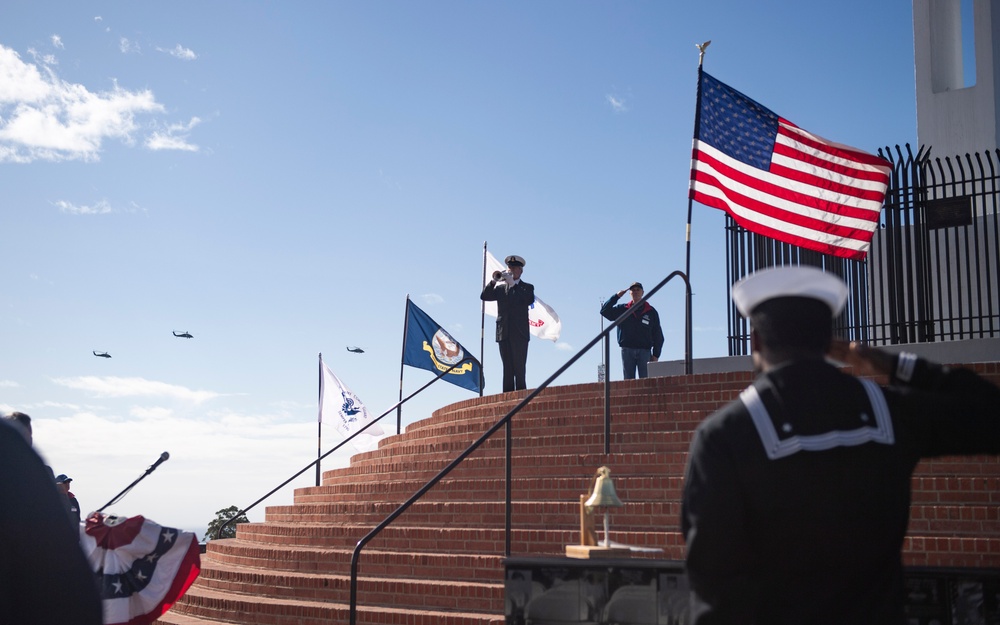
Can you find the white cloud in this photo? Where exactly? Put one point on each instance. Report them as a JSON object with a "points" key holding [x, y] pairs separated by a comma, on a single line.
{"points": [[44, 59], [431, 299], [180, 52], [158, 141], [43, 117], [8, 384], [563, 346], [57, 42], [112, 386], [617, 103], [52, 404], [151, 412], [174, 137], [102, 207], [127, 46]]}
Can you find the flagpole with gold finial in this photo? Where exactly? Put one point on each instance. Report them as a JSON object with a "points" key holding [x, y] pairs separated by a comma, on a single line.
{"points": [[697, 120], [687, 263]]}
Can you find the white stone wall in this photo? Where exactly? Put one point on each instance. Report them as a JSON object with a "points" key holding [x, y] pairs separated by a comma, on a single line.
{"points": [[951, 118]]}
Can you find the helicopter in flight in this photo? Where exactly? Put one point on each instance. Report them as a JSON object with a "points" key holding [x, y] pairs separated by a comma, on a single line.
{"points": [[355, 350], [102, 354], [183, 335]]}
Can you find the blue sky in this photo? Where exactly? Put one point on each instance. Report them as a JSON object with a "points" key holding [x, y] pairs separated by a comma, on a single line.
{"points": [[276, 178]]}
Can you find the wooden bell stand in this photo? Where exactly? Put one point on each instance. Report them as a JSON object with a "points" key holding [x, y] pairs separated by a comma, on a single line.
{"points": [[589, 547]]}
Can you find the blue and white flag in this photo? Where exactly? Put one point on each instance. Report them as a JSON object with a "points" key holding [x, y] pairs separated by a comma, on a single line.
{"points": [[429, 346], [339, 403]]}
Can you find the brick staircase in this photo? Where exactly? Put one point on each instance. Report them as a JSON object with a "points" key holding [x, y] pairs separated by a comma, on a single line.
{"points": [[441, 562]]}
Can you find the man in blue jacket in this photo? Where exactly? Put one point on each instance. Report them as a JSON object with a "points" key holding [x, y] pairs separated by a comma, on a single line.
{"points": [[639, 335]]}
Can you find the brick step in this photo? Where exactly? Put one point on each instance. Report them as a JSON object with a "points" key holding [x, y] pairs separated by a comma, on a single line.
{"points": [[919, 550], [471, 514], [566, 442], [174, 617], [955, 466], [234, 608], [374, 563], [926, 489], [976, 552], [434, 539], [541, 424], [955, 489], [955, 520], [590, 431], [592, 408], [484, 565], [483, 467], [400, 593], [698, 393], [577, 471], [465, 523], [486, 466], [541, 487]]}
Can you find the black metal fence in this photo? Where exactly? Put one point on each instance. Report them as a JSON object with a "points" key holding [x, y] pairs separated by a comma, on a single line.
{"points": [[933, 270]]}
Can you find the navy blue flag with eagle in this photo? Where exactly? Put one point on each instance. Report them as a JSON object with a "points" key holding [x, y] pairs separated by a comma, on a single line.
{"points": [[426, 345]]}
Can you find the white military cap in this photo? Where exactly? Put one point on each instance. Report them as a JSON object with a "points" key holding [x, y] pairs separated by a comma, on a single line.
{"points": [[792, 281], [514, 260]]}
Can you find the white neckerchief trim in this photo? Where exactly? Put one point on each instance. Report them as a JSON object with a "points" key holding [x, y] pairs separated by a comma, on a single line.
{"points": [[905, 365], [776, 447]]}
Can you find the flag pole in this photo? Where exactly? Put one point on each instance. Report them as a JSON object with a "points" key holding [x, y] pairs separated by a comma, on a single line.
{"points": [[402, 357], [697, 123], [687, 262], [319, 423], [482, 331]]}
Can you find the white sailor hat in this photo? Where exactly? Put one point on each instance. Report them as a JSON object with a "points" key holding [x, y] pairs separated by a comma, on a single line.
{"points": [[792, 281], [514, 261]]}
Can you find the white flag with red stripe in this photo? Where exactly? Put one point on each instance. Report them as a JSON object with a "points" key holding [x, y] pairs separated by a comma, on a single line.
{"points": [[543, 322]]}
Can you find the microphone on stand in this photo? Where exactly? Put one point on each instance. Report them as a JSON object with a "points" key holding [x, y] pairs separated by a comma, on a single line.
{"points": [[163, 458]]}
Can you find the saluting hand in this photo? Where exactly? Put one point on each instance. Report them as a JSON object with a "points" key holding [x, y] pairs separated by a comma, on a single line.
{"points": [[867, 360]]}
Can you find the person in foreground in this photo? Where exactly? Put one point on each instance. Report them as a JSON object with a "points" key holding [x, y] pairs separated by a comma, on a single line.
{"points": [[797, 495], [44, 576]]}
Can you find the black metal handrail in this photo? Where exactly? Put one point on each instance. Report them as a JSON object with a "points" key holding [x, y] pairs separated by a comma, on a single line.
{"points": [[342, 443], [505, 421]]}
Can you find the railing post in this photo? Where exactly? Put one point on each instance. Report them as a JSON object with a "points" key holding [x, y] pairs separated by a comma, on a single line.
{"points": [[507, 476], [607, 394]]}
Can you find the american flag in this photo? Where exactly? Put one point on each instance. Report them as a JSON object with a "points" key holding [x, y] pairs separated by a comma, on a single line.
{"points": [[780, 181], [141, 568]]}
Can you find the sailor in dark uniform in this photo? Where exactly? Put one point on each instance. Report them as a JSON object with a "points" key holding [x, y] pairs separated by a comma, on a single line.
{"points": [[513, 297], [797, 495]]}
